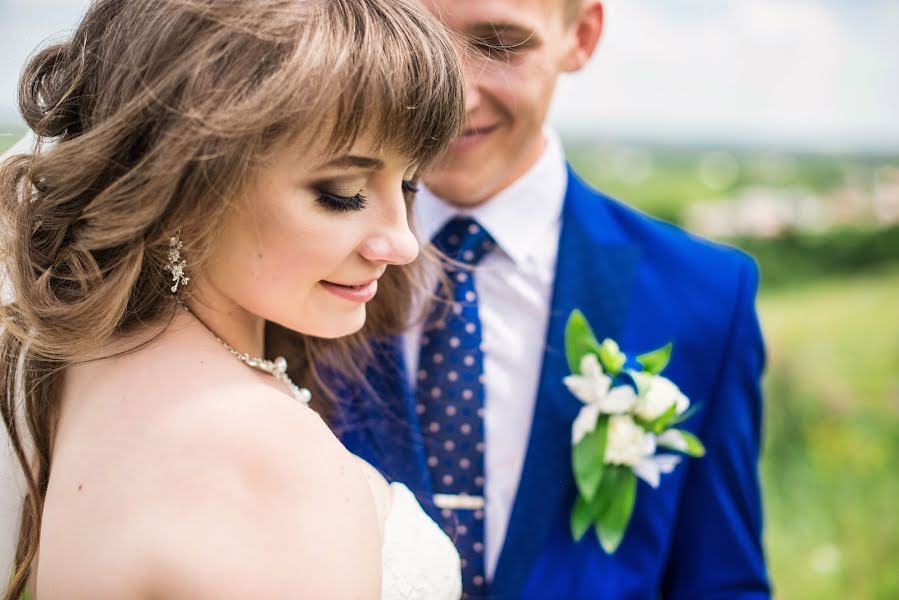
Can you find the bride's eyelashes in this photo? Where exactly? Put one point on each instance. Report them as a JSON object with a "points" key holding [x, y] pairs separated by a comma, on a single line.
{"points": [[338, 203]]}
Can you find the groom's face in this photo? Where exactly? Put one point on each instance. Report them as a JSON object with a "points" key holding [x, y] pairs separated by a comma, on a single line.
{"points": [[513, 55]]}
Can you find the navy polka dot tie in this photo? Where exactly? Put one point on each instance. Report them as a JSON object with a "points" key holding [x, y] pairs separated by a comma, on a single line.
{"points": [[450, 399]]}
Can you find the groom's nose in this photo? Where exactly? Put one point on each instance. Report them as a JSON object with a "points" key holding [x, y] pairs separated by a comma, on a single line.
{"points": [[472, 72]]}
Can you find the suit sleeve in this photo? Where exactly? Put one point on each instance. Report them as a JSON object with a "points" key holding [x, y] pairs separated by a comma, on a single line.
{"points": [[717, 547]]}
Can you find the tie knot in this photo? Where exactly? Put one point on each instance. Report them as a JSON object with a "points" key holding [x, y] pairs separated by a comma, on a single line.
{"points": [[464, 240]]}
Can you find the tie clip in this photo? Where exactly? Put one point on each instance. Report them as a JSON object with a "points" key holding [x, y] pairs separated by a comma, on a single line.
{"points": [[459, 502]]}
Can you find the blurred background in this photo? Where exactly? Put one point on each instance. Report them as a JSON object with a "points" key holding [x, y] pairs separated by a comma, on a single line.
{"points": [[772, 125]]}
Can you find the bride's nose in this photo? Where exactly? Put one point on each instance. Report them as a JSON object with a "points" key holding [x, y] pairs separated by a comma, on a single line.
{"points": [[390, 240]]}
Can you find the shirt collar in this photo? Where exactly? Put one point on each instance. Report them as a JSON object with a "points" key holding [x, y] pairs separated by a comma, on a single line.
{"points": [[519, 215]]}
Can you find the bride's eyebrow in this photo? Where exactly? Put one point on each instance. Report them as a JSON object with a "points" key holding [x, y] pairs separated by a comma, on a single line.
{"points": [[350, 161]]}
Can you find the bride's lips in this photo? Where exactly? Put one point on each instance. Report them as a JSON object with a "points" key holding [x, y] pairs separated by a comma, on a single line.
{"points": [[361, 293], [472, 136]]}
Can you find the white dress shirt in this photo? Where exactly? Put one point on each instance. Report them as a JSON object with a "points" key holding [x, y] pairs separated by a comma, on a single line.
{"points": [[514, 288]]}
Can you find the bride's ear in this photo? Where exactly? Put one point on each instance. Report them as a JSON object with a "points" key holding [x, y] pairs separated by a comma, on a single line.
{"points": [[587, 29]]}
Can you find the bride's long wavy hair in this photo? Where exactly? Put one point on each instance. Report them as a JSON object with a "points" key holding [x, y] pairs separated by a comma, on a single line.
{"points": [[158, 113]]}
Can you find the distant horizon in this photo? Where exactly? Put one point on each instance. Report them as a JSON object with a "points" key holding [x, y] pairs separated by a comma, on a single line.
{"points": [[577, 138]]}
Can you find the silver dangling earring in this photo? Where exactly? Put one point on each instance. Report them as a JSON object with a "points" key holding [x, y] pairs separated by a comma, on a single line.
{"points": [[176, 263]]}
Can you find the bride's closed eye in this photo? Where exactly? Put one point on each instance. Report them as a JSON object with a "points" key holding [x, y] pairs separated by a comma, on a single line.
{"points": [[338, 203]]}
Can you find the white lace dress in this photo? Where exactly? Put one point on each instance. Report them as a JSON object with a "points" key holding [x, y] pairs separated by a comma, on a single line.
{"points": [[419, 562]]}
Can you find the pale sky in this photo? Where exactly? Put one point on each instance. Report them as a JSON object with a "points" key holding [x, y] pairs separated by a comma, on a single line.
{"points": [[815, 74]]}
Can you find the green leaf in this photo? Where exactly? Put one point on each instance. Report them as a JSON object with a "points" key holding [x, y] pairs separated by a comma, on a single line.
{"points": [[663, 421], [611, 357], [584, 513], [655, 362], [684, 415], [694, 445], [582, 517], [613, 520], [579, 340], [587, 459]]}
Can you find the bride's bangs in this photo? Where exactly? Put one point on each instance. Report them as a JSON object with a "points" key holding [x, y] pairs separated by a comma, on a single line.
{"points": [[381, 69], [401, 83]]}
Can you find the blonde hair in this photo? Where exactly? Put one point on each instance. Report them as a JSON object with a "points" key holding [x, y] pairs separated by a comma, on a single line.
{"points": [[159, 112]]}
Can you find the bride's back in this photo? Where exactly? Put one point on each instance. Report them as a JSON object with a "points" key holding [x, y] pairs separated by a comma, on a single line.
{"points": [[177, 475]]}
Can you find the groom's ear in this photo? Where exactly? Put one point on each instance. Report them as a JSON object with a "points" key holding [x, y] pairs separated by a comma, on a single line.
{"points": [[586, 30]]}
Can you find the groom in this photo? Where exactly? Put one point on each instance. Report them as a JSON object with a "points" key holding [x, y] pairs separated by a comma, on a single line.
{"points": [[484, 434]]}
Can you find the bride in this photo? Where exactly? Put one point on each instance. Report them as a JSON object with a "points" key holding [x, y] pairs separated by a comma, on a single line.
{"points": [[216, 165]]}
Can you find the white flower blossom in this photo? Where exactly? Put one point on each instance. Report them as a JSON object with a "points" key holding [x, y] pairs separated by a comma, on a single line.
{"points": [[619, 400], [627, 443], [592, 388], [657, 395], [651, 468], [592, 384], [673, 439], [584, 423]]}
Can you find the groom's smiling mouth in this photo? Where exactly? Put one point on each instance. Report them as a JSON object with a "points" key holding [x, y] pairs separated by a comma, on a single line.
{"points": [[472, 135]]}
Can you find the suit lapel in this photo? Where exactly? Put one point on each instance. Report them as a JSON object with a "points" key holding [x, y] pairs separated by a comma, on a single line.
{"points": [[594, 273]]}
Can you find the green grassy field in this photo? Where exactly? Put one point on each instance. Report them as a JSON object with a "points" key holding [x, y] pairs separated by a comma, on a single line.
{"points": [[832, 437]]}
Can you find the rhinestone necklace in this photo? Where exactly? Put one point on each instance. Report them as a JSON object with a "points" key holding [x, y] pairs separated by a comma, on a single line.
{"points": [[276, 368]]}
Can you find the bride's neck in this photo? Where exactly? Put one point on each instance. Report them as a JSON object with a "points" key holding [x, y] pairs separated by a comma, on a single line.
{"points": [[234, 325], [245, 333]]}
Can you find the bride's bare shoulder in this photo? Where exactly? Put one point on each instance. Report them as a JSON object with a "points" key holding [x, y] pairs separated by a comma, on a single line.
{"points": [[254, 497]]}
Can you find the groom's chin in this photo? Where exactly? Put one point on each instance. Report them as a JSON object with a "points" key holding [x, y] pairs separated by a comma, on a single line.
{"points": [[453, 183]]}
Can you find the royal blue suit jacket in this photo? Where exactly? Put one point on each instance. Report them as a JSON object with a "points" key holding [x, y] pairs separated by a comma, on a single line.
{"points": [[643, 283]]}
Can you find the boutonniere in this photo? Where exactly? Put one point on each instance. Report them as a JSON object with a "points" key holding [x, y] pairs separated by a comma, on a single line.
{"points": [[628, 414]]}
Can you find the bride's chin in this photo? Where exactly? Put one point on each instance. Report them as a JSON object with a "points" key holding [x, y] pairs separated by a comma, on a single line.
{"points": [[339, 326]]}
